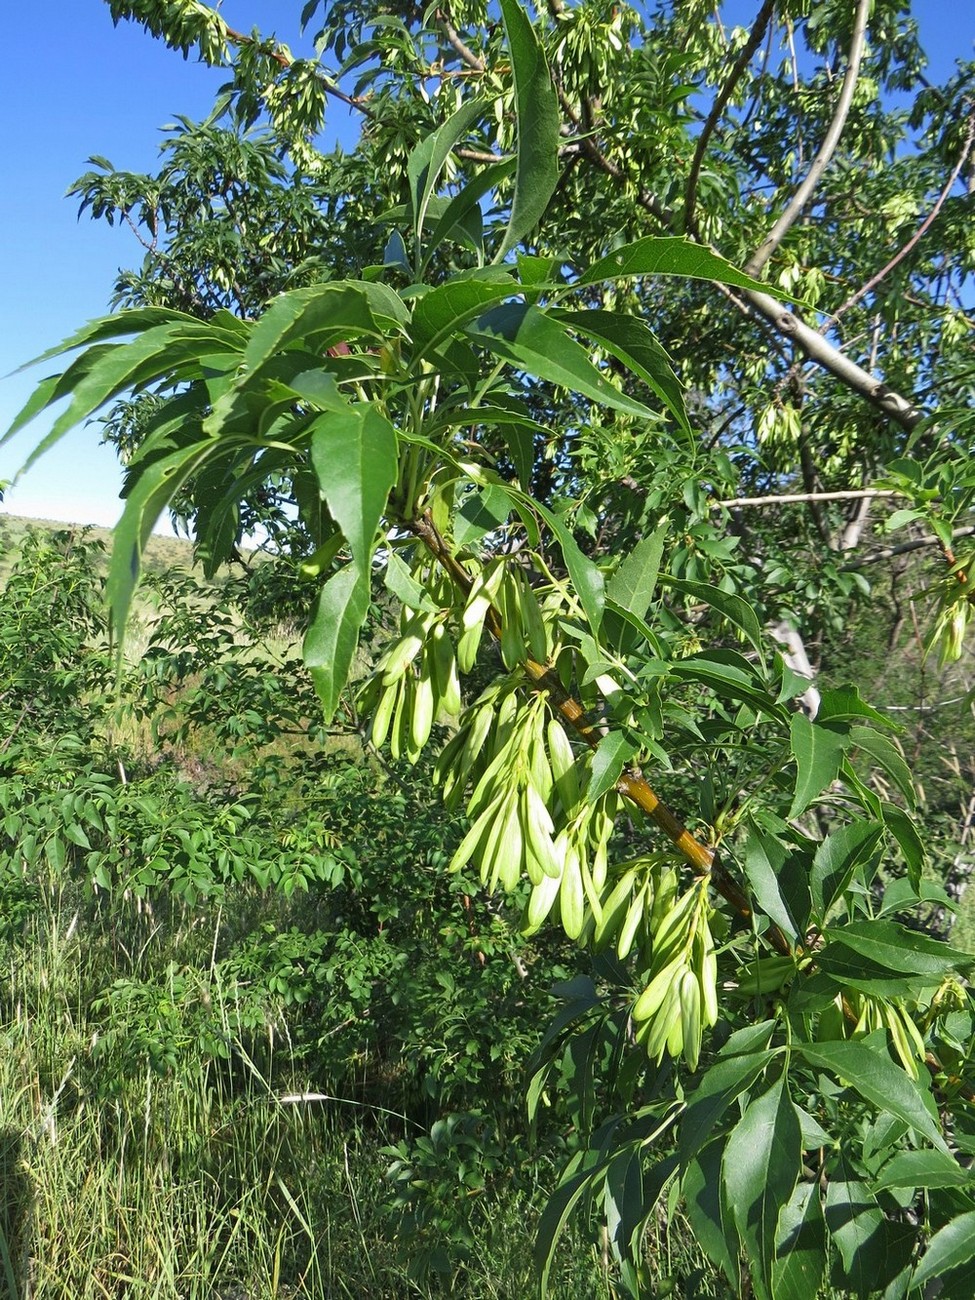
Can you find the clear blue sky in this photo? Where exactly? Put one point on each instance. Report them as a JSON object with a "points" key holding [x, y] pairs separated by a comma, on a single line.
{"points": [[75, 86]]}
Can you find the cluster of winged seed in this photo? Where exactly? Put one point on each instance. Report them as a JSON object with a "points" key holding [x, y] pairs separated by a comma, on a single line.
{"points": [[525, 789]]}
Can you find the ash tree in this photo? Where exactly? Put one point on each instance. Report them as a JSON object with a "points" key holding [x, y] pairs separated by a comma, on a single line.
{"points": [[622, 337]]}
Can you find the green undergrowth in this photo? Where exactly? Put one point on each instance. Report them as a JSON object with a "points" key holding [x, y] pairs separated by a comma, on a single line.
{"points": [[254, 1040]]}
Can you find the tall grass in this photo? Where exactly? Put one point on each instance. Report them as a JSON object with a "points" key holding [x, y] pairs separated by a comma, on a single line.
{"points": [[209, 1179]]}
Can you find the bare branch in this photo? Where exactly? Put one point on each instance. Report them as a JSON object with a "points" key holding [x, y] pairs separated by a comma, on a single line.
{"points": [[796, 498], [918, 234], [465, 53], [903, 548], [826, 150], [717, 108]]}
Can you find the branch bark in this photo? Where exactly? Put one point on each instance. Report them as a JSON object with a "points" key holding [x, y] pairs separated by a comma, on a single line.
{"points": [[826, 150]]}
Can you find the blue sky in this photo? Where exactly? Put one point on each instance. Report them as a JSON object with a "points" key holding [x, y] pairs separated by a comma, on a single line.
{"points": [[75, 86]]}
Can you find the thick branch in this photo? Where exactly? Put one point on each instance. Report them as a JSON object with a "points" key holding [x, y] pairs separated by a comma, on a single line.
{"points": [[464, 52], [826, 150], [816, 348], [741, 63]]}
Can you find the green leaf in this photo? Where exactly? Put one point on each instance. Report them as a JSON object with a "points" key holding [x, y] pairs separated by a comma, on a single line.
{"points": [[761, 1166], [950, 1247], [539, 345], [800, 1251], [729, 675], [427, 160], [703, 1201], [875, 1077], [107, 370], [405, 587], [904, 830], [837, 858], [354, 455], [818, 752], [764, 859], [671, 255], [339, 312], [898, 949], [632, 342], [727, 1079], [733, 608], [539, 122], [482, 512], [153, 486], [612, 754], [634, 582], [845, 704], [857, 1229], [888, 757], [575, 1183], [464, 203], [330, 642], [911, 1169], [439, 313]]}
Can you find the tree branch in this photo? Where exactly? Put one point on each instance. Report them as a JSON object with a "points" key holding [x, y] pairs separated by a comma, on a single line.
{"points": [[759, 28], [903, 548], [464, 52], [918, 234], [793, 498], [826, 150]]}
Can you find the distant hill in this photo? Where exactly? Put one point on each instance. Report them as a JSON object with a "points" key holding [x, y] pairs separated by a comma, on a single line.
{"points": [[161, 552]]}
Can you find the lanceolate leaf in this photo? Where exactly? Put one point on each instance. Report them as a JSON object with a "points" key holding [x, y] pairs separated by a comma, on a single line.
{"points": [[539, 120], [875, 1076], [888, 757], [951, 1247], [461, 204], [151, 492], [439, 313], [354, 455], [923, 1169], [729, 675], [612, 754], [818, 752], [330, 642], [632, 341], [341, 311], [898, 949], [107, 370], [427, 160], [837, 857], [539, 345], [728, 605], [670, 255], [634, 582], [760, 1170], [800, 1252]]}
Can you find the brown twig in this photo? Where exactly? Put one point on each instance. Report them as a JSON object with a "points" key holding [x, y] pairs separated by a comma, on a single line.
{"points": [[755, 37]]}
